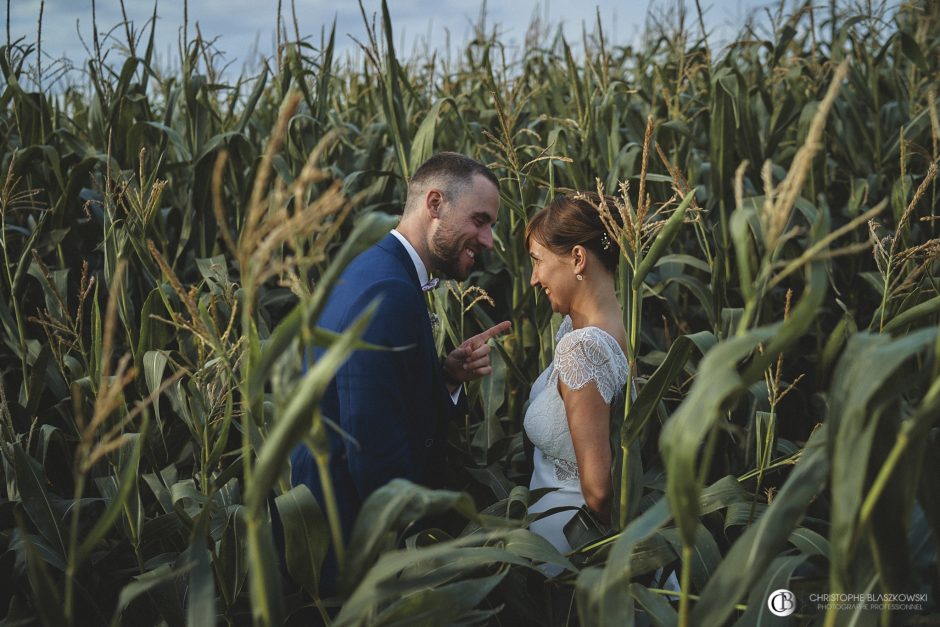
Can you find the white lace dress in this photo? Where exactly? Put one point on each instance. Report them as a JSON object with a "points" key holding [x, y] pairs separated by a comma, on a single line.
{"points": [[582, 357]]}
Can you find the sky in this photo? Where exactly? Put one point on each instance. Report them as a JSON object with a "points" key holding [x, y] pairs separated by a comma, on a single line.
{"points": [[246, 28]]}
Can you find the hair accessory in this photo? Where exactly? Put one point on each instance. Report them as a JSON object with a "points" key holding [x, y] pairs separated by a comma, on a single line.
{"points": [[580, 277], [605, 242]]}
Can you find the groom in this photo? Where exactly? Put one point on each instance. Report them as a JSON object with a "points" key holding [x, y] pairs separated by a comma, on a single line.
{"points": [[394, 406]]}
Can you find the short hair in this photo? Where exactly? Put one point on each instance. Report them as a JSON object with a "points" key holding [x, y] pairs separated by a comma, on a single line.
{"points": [[452, 171], [569, 221]]}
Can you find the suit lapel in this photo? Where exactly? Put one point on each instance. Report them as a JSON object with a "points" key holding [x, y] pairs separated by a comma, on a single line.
{"points": [[392, 246]]}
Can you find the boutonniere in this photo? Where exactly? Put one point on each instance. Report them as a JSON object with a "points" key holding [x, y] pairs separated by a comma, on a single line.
{"points": [[435, 321]]}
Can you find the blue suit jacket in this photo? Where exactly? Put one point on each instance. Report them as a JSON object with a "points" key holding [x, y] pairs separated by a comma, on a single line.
{"points": [[394, 405]]}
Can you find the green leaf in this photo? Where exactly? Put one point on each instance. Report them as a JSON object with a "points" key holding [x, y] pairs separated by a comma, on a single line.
{"points": [[750, 556], [46, 552], [488, 435], [323, 80], [267, 603], [116, 506], [705, 554], [493, 390], [659, 382], [153, 334], [175, 138], [744, 254], [399, 573], [809, 542], [231, 564], [913, 52], [601, 594], [915, 313], [423, 145], [306, 536], [393, 100], [494, 478], [834, 345], [221, 435], [387, 511], [252, 101], [272, 456], [657, 608], [38, 378], [615, 608], [215, 271], [722, 494], [663, 240], [158, 485], [719, 384], [43, 588], [684, 260], [295, 421], [442, 605], [143, 584], [654, 553], [679, 127], [656, 178], [776, 577], [700, 290], [31, 483], [783, 42], [534, 547], [682, 435], [743, 514], [368, 230], [96, 341], [870, 379], [272, 350], [200, 601], [154, 366]]}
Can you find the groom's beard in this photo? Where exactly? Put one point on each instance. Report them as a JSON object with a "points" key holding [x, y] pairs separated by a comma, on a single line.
{"points": [[449, 254]]}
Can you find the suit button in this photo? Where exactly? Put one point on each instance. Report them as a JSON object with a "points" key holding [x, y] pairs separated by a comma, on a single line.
{"points": [[429, 443]]}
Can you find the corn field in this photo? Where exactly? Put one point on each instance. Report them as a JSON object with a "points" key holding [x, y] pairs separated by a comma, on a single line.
{"points": [[170, 236]]}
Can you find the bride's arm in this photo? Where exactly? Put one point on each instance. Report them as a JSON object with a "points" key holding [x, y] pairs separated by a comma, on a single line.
{"points": [[589, 423]]}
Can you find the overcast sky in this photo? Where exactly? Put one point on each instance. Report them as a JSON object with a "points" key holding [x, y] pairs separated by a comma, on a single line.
{"points": [[247, 27]]}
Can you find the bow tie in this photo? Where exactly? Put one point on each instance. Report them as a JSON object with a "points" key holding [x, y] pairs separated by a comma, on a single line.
{"points": [[430, 285]]}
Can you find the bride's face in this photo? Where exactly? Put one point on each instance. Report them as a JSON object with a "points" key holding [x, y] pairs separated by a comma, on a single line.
{"points": [[555, 274]]}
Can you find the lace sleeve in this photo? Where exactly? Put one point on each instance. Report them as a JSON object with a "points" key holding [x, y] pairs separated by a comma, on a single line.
{"points": [[583, 356]]}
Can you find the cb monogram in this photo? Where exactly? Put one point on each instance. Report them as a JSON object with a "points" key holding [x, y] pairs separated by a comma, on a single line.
{"points": [[781, 602]]}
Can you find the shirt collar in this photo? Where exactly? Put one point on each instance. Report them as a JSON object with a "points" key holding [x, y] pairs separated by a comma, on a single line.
{"points": [[420, 268]]}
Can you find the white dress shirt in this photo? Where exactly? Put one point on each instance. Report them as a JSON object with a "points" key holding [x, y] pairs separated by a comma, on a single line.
{"points": [[415, 258]]}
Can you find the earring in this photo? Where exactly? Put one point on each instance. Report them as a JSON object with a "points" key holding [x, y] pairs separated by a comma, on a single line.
{"points": [[579, 276]]}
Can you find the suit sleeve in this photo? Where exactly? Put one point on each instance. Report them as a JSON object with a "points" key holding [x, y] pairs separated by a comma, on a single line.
{"points": [[375, 388]]}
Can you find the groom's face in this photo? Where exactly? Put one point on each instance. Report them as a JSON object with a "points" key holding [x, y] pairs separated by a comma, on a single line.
{"points": [[464, 228]]}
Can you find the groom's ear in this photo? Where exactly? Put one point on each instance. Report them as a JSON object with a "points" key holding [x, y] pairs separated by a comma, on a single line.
{"points": [[433, 200]]}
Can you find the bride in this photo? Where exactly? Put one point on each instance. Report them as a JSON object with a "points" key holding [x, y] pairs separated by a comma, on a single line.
{"points": [[574, 261]]}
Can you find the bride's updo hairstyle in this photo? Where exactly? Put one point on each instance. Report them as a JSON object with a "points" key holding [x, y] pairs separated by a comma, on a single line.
{"points": [[566, 222]]}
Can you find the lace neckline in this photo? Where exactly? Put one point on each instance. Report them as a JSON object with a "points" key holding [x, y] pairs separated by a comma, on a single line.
{"points": [[562, 331]]}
